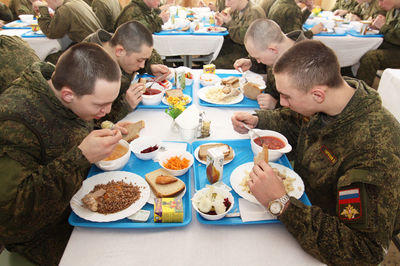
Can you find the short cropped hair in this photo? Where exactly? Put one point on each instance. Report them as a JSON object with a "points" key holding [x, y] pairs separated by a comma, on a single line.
{"points": [[81, 66], [310, 63], [263, 32], [132, 35]]}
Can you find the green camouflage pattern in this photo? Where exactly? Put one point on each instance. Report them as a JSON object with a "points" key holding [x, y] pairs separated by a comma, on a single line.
{"points": [[11, 66], [5, 13], [89, 2], [364, 141], [348, 5], [107, 12], [20, 7], [139, 11], [41, 166], [73, 18], [288, 15], [120, 107], [266, 5], [366, 11], [233, 46], [387, 55], [220, 5]]}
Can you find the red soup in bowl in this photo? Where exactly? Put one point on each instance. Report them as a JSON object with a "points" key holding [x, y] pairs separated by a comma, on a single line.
{"points": [[273, 143], [150, 91]]}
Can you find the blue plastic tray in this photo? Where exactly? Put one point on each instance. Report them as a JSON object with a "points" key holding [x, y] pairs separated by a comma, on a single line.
{"points": [[177, 32], [188, 91], [243, 154], [333, 34], [357, 34], [10, 26], [245, 103], [141, 168], [31, 34]]}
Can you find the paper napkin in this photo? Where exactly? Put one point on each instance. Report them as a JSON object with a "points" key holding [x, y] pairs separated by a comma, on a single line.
{"points": [[250, 212]]}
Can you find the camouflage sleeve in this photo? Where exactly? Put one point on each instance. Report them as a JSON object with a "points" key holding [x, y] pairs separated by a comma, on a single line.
{"points": [[155, 58], [336, 6], [391, 29], [357, 10], [56, 27], [270, 84], [33, 195], [290, 19], [305, 14], [341, 239], [24, 9], [101, 10]]}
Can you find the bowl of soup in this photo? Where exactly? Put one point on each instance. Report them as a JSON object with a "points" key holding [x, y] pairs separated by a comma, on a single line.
{"points": [[153, 94], [277, 143], [117, 159]]}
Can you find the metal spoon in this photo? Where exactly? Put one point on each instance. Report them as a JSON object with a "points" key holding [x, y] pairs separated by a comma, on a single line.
{"points": [[243, 74], [254, 133]]}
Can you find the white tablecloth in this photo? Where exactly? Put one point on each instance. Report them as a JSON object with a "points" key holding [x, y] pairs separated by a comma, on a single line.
{"points": [[350, 49], [43, 46], [389, 90], [172, 45], [196, 243]]}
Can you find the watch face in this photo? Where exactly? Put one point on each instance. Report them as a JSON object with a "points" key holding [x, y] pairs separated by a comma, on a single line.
{"points": [[275, 208]]}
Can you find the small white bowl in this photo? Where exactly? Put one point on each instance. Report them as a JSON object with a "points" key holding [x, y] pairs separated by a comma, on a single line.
{"points": [[164, 156], [26, 18], [225, 194], [273, 155], [141, 143], [118, 163], [153, 99], [207, 79], [340, 30]]}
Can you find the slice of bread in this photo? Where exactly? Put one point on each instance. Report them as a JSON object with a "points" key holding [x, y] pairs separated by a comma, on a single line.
{"points": [[164, 190], [231, 81], [263, 155], [226, 149], [251, 90], [174, 93], [133, 130]]}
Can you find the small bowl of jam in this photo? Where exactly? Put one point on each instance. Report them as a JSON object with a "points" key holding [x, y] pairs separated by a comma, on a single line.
{"points": [[277, 143], [153, 94], [145, 148]]}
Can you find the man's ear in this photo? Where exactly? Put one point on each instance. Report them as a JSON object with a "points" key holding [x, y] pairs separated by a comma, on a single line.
{"points": [[318, 94], [119, 50], [67, 95]]}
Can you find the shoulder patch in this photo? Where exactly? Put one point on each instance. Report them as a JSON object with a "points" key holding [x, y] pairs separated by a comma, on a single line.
{"points": [[328, 154], [349, 205]]}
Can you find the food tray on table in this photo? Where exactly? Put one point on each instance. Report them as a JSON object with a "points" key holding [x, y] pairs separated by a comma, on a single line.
{"points": [[17, 24], [32, 34], [179, 32], [140, 167], [325, 33], [243, 154], [245, 103], [368, 35], [188, 90]]}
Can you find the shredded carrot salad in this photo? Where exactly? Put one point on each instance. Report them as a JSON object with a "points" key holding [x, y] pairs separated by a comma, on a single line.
{"points": [[176, 163]]}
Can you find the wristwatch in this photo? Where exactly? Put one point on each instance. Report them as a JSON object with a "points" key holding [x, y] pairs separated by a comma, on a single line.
{"points": [[275, 207]]}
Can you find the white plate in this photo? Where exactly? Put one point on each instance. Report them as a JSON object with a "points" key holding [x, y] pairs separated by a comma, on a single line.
{"points": [[196, 155], [152, 196], [239, 173], [202, 95], [103, 178], [164, 100]]}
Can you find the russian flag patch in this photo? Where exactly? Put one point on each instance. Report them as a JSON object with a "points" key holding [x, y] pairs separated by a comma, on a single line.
{"points": [[349, 204]]}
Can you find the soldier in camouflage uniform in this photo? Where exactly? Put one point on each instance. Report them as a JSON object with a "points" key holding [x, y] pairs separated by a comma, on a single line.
{"points": [[11, 66], [342, 7], [218, 6], [265, 42], [21, 7], [243, 13], [290, 17], [5, 14], [346, 149], [137, 41], [266, 5], [72, 17], [107, 12], [146, 12], [47, 145], [388, 53], [366, 10]]}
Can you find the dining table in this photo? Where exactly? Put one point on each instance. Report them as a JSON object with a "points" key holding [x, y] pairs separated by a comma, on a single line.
{"points": [[195, 243], [389, 90]]}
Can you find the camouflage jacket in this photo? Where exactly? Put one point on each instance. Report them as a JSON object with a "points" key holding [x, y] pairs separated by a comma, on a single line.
{"points": [[5, 13], [296, 36], [11, 66], [348, 5], [139, 11], [41, 166], [289, 16], [73, 18], [368, 10], [391, 30], [266, 5], [220, 5], [241, 20], [20, 7], [356, 150], [107, 12], [120, 107]]}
